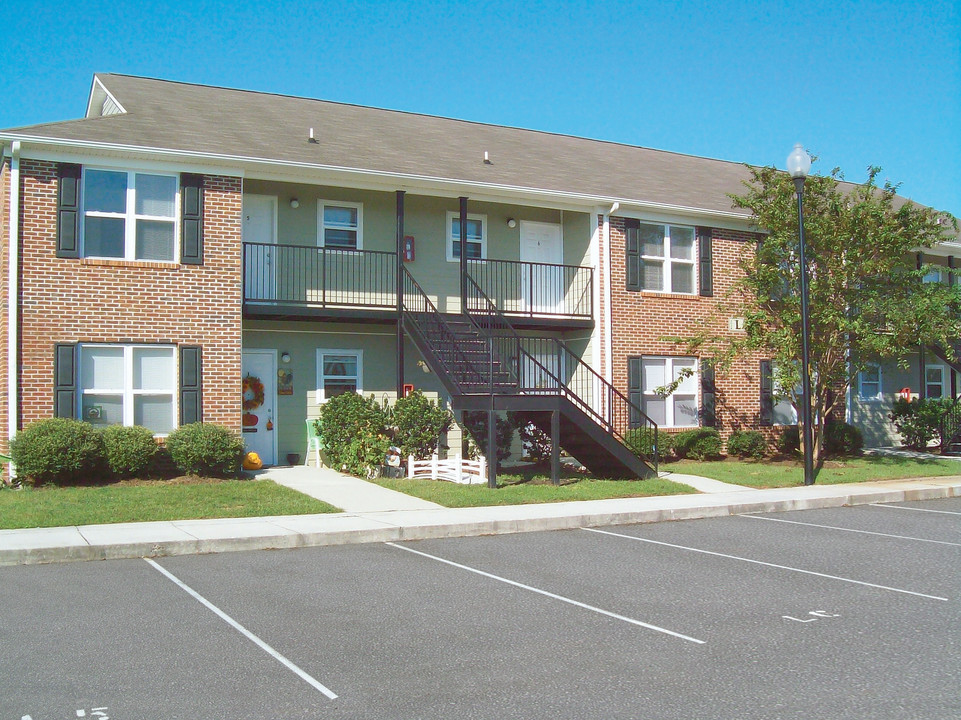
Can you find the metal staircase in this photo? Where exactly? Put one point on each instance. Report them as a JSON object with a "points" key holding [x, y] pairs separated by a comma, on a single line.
{"points": [[484, 364]]}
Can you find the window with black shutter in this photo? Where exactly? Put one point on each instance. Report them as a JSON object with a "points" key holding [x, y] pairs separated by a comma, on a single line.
{"points": [[68, 210], [706, 267], [65, 380], [191, 219], [767, 394], [191, 386], [708, 395]]}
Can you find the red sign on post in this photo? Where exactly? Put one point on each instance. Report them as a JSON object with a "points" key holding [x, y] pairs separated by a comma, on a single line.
{"points": [[905, 393]]}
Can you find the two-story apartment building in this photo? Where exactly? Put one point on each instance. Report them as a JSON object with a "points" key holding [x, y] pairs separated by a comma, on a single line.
{"points": [[186, 252]]}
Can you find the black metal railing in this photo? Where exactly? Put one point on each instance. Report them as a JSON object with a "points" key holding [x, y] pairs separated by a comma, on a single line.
{"points": [[321, 277], [535, 289], [949, 426]]}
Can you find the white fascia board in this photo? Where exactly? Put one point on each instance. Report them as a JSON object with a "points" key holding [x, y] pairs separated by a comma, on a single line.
{"points": [[257, 167], [733, 221]]}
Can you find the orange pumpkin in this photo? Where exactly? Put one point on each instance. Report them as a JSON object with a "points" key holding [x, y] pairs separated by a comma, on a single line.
{"points": [[252, 461]]}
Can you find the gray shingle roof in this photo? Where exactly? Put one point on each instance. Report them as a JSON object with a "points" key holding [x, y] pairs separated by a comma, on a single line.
{"points": [[221, 122]]}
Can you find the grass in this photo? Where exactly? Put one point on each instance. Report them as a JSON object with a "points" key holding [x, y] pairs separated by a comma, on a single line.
{"points": [[142, 501], [531, 486], [789, 473]]}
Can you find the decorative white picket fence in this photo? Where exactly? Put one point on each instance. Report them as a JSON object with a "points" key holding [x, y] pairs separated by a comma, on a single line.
{"points": [[465, 472]]}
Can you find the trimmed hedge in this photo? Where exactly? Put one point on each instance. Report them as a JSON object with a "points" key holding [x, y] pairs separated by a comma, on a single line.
{"points": [[128, 450], [747, 443], [206, 449], [698, 444], [59, 451]]}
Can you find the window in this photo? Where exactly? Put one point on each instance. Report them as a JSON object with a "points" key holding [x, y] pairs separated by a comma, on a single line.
{"points": [[128, 385], [338, 372], [663, 256], [933, 381], [129, 215], [869, 383], [341, 225], [476, 237], [935, 275], [678, 409]]}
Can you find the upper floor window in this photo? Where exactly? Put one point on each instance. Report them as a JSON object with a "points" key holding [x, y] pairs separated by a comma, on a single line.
{"points": [[128, 385], [341, 224], [129, 215], [476, 237], [661, 258]]}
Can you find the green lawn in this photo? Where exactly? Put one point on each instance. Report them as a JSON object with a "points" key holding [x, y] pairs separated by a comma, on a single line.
{"points": [[151, 500], [770, 474]]}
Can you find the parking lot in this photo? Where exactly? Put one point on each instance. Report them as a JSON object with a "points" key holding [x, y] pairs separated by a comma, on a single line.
{"points": [[835, 613]]}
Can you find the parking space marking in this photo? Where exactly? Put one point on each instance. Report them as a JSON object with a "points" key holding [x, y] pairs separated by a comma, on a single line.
{"points": [[243, 631], [551, 595], [766, 564], [902, 507], [863, 532]]}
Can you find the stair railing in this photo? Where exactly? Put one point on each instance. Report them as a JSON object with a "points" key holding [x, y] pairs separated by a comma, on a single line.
{"points": [[949, 426]]}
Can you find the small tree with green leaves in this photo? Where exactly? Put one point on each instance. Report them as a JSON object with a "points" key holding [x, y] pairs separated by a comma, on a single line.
{"points": [[418, 424]]}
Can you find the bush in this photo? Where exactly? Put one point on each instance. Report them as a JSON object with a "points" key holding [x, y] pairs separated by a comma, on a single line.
{"points": [[418, 424], [698, 444], [475, 422], [537, 443], [353, 433], [749, 443], [919, 421], [789, 441], [59, 451], [128, 450], [641, 441], [840, 438], [206, 449]]}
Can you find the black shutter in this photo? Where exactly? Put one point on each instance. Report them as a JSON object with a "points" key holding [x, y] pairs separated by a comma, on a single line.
{"points": [[65, 380], [706, 269], [68, 210], [634, 389], [633, 250], [192, 219], [708, 414], [767, 394], [191, 387]]}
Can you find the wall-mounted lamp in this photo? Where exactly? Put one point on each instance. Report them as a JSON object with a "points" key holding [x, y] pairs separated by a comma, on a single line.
{"points": [[294, 203], [511, 223], [423, 366], [285, 357]]}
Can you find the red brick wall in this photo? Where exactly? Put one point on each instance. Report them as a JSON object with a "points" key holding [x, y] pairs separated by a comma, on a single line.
{"points": [[642, 320], [67, 300]]}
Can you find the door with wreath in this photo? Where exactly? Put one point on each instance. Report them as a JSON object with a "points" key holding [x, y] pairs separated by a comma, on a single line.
{"points": [[259, 400]]}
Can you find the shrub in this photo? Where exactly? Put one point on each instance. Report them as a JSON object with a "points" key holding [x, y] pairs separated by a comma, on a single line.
{"points": [[789, 441], [59, 451], [840, 438], [537, 443], [206, 449], [128, 450], [698, 444], [475, 422], [641, 441], [749, 443], [418, 424], [353, 433], [919, 421]]}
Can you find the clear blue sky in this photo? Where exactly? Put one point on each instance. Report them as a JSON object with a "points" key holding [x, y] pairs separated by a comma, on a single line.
{"points": [[859, 83]]}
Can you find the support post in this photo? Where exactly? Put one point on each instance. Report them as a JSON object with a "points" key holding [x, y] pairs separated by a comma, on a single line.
{"points": [[463, 257], [491, 446], [399, 292], [556, 447], [922, 393]]}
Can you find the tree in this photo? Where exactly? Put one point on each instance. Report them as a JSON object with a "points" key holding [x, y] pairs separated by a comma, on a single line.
{"points": [[868, 300]]}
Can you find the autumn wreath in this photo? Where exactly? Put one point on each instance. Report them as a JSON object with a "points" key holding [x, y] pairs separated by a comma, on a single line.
{"points": [[253, 392]]}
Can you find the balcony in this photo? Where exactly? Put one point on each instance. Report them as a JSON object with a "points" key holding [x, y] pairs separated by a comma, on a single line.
{"points": [[291, 281]]}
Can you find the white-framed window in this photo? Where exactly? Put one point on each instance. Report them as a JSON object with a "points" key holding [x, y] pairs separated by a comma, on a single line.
{"points": [[476, 237], [129, 385], [340, 225], [936, 275], [678, 409], [129, 215], [338, 372], [933, 381], [869, 383], [668, 258]]}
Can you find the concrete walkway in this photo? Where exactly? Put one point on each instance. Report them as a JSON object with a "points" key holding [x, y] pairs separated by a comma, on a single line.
{"points": [[382, 515]]}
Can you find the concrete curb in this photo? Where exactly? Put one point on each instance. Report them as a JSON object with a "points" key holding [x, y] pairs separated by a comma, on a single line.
{"points": [[190, 537]]}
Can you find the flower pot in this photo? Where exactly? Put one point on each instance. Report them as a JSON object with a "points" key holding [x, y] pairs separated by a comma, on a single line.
{"points": [[293, 459]]}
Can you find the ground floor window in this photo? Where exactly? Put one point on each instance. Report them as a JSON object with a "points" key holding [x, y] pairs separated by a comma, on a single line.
{"points": [[869, 383], [128, 385], [649, 379], [933, 381], [338, 372]]}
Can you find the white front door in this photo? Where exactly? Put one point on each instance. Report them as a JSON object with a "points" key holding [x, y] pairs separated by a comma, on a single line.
{"points": [[543, 284], [260, 398], [260, 226]]}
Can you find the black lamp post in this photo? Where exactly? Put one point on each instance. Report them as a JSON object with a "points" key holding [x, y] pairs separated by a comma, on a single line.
{"points": [[798, 165]]}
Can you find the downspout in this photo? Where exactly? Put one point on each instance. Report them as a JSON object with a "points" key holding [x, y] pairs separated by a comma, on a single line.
{"points": [[13, 293]]}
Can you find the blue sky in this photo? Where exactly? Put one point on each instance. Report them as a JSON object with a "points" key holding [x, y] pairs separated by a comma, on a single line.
{"points": [[859, 83]]}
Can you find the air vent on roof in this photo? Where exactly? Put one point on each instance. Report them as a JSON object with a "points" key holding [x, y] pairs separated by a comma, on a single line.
{"points": [[310, 136]]}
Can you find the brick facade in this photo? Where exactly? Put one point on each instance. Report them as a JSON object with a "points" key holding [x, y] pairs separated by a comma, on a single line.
{"points": [[86, 300], [642, 320]]}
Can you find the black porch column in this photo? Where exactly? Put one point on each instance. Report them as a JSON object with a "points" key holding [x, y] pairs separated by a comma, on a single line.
{"points": [[399, 291], [463, 255], [556, 447], [491, 446], [921, 393]]}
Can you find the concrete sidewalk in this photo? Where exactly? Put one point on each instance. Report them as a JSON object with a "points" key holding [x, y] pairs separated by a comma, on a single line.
{"points": [[387, 516]]}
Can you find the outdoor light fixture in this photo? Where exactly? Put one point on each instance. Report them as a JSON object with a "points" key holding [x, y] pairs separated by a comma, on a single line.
{"points": [[285, 357], [294, 203], [798, 165], [511, 223]]}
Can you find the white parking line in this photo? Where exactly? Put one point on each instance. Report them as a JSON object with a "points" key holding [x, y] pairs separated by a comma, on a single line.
{"points": [[243, 631], [863, 532], [766, 564], [545, 593], [901, 507]]}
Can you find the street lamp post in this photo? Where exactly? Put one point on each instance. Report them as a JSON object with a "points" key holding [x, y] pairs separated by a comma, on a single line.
{"points": [[798, 165]]}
